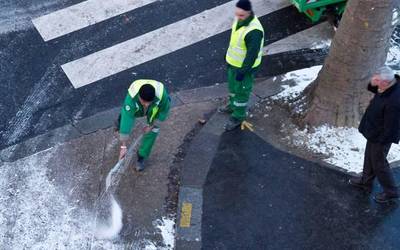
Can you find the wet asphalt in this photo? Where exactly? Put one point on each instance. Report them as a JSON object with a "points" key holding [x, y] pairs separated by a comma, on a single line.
{"points": [[258, 197]]}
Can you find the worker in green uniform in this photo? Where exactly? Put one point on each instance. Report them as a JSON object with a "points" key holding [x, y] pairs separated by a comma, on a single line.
{"points": [[145, 98], [243, 57]]}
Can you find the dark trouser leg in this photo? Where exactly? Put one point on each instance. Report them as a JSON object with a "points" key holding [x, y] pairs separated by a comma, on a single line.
{"points": [[368, 174], [381, 168]]}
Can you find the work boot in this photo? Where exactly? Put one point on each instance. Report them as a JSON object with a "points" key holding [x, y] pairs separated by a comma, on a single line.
{"points": [[225, 109], [232, 124], [385, 197], [139, 164], [359, 183]]}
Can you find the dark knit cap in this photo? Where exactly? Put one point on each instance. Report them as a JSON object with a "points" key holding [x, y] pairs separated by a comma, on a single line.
{"points": [[147, 93], [244, 5]]}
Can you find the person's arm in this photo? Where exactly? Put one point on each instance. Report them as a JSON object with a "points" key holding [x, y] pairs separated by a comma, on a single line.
{"points": [[127, 119], [391, 123], [165, 106], [253, 43]]}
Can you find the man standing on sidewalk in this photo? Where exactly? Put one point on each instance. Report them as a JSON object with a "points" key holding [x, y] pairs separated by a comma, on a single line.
{"points": [[145, 98], [244, 58], [380, 125]]}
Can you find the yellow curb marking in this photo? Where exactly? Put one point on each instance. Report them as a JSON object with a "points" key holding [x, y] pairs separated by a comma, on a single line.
{"points": [[247, 125], [186, 214]]}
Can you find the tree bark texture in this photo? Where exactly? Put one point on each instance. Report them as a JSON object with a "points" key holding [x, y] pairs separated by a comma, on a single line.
{"points": [[338, 96]]}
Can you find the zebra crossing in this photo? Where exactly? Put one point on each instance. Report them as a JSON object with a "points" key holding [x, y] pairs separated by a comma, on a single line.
{"points": [[79, 59], [138, 50], [81, 15]]}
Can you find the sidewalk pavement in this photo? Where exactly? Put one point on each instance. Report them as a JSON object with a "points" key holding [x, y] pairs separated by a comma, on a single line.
{"points": [[240, 192], [52, 185]]}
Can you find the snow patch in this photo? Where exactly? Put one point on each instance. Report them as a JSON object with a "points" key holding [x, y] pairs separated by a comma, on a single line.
{"points": [[395, 17], [343, 147], [322, 44], [166, 226], [393, 56], [150, 246], [299, 80]]}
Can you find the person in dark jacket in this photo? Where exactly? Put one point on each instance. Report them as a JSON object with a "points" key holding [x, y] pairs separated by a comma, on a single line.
{"points": [[380, 125]]}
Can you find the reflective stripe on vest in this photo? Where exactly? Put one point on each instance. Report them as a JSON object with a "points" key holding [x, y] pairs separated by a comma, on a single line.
{"points": [[159, 87], [154, 113], [237, 46]]}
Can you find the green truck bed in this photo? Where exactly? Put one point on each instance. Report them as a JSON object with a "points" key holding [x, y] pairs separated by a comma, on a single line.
{"points": [[315, 9]]}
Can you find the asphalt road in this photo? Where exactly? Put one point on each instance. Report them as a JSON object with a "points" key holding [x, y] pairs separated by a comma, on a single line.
{"points": [[37, 96]]}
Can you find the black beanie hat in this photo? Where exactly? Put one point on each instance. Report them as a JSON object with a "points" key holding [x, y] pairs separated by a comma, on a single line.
{"points": [[147, 93], [244, 5]]}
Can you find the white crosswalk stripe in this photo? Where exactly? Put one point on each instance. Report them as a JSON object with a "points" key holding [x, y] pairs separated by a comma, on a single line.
{"points": [[159, 42], [82, 15]]}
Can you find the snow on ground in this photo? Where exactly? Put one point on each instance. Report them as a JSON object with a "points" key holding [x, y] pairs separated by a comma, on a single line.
{"points": [[393, 57], [324, 44], [342, 147], [301, 79], [395, 18], [166, 226]]}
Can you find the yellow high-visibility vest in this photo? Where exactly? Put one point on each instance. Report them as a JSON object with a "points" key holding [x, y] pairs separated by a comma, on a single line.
{"points": [[237, 46], [136, 85]]}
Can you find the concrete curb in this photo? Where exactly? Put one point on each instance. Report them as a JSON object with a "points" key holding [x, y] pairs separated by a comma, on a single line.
{"points": [[197, 163]]}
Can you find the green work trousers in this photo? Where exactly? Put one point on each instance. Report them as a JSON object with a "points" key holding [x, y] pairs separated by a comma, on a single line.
{"points": [[147, 142], [239, 93]]}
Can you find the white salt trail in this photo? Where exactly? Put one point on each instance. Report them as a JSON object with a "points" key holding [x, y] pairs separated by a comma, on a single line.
{"points": [[117, 168], [115, 223], [115, 226], [110, 174]]}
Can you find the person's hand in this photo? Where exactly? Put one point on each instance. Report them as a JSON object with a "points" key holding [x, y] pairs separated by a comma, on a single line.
{"points": [[239, 77], [147, 129], [375, 81], [122, 152]]}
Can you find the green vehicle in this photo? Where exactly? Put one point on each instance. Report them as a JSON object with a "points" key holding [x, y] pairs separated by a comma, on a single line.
{"points": [[315, 9]]}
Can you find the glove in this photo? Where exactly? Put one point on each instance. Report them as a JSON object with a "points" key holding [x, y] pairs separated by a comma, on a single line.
{"points": [[239, 77]]}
